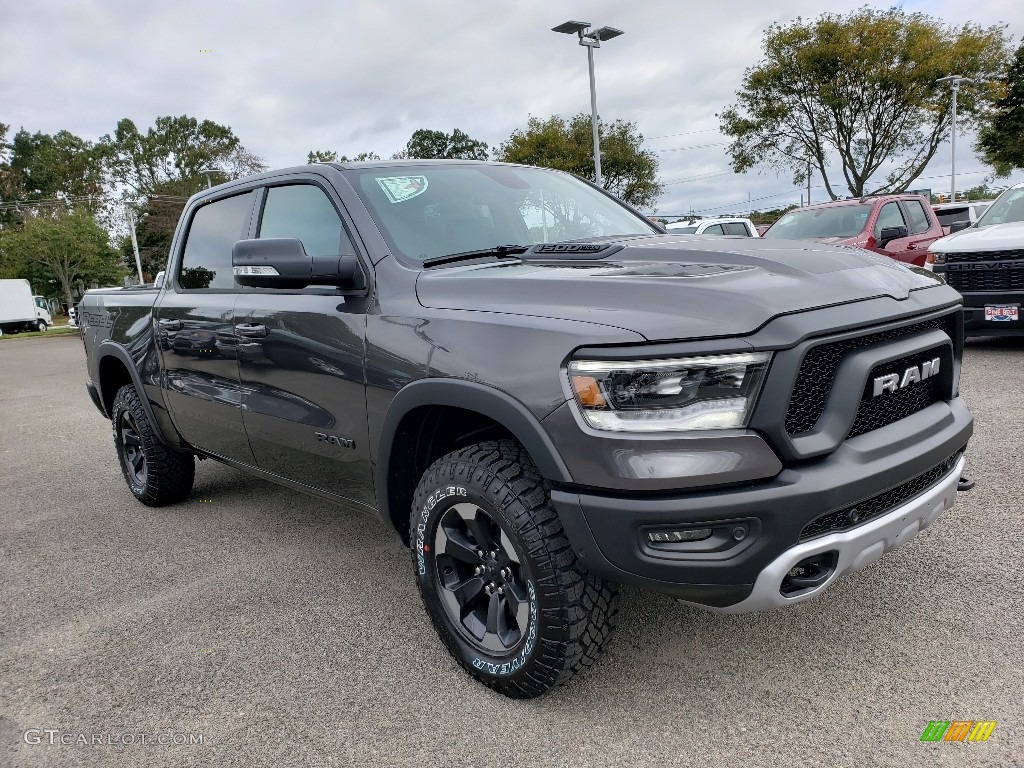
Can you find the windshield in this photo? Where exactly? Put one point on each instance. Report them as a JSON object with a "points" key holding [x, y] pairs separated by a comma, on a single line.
{"points": [[834, 221], [425, 211], [1008, 207]]}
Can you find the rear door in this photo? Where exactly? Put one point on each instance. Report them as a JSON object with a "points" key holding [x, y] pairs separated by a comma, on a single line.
{"points": [[300, 355], [195, 331], [922, 229]]}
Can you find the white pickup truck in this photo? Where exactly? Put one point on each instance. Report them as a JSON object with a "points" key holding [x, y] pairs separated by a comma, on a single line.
{"points": [[20, 310], [984, 261]]}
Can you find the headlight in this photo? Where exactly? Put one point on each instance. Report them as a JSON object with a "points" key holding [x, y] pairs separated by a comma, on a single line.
{"points": [[668, 395], [935, 258]]}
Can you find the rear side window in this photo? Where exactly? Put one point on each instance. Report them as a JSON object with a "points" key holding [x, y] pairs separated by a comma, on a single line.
{"points": [[918, 218], [949, 216], [206, 262], [714, 229], [890, 216], [303, 211], [736, 228]]}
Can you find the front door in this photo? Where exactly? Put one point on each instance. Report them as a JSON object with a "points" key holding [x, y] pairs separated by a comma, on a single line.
{"points": [[195, 332], [300, 356]]}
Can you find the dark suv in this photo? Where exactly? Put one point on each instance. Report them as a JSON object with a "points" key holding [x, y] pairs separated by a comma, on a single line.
{"points": [[900, 226]]}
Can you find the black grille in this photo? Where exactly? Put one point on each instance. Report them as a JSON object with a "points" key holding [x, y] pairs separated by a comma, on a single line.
{"points": [[818, 369], [875, 412], [986, 279], [958, 258], [860, 513]]}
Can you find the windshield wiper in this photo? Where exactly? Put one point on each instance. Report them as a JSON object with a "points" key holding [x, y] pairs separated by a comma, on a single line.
{"points": [[498, 250]]}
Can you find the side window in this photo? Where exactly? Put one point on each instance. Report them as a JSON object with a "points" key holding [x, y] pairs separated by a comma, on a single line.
{"points": [[206, 262], [918, 218], [714, 229], [303, 211], [736, 228], [890, 216]]}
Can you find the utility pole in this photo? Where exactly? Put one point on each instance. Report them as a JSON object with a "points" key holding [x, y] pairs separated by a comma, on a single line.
{"points": [[135, 243], [808, 181]]}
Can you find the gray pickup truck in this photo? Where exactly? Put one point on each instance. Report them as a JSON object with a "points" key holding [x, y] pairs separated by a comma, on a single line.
{"points": [[542, 392]]}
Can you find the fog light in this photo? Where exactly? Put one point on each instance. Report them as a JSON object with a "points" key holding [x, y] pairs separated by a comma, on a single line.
{"points": [[690, 534]]}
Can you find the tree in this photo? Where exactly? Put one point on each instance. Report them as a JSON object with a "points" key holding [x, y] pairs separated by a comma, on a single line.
{"points": [[156, 217], [862, 89], [172, 155], [438, 145], [330, 156], [41, 171], [67, 247], [1001, 138], [628, 171]]}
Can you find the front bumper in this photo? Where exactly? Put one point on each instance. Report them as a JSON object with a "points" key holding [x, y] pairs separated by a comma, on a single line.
{"points": [[610, 534]]}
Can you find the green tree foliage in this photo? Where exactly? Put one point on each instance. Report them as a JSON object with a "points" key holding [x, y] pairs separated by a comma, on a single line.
{"points": [[39, 171], [628, 171], [156, 218], [64, 248], [1001, 138], [330, 156], [172, 154], [438, 145], [862, 89]]}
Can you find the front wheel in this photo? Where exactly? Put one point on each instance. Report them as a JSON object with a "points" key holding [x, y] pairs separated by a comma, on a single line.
{"points": [[156, 474], [498, 577], [41, 326]]}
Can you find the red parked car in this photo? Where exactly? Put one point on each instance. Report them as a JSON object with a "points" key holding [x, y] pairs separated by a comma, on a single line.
{"points": [[900, 226]]}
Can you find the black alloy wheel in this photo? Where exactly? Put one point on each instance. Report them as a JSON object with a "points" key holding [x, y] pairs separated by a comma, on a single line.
{"points": [[480, 579], [131, 442]]}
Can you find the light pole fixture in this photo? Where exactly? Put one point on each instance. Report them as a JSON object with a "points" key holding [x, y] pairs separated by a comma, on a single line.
{"points": [[207, 172], [592, 40], [954, 82]]}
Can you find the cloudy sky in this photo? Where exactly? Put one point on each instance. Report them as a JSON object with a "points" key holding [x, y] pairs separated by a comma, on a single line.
{"points": [[293, 76]]}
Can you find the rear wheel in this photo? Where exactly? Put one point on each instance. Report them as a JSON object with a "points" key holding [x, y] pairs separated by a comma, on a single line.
{"points": [[156, 474], [498, 577]]}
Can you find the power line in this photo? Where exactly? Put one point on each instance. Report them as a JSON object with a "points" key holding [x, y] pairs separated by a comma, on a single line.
{"points": [[686, 133], [697, 146]]}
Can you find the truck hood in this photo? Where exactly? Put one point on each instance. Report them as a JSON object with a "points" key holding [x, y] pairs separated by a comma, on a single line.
{"points": [[666, 287], [997, 237]]}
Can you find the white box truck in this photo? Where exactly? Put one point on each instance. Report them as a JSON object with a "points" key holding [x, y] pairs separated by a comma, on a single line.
{"points": [[20, 310]]}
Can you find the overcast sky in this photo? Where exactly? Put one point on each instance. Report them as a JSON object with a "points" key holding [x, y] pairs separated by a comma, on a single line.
{"points": [[289, 77]]}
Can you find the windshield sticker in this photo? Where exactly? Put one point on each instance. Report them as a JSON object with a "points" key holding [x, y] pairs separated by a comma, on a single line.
{"points": [[402, 188]]}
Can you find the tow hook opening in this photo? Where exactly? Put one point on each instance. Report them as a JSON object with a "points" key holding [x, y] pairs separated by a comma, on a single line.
{"points": [[810, 572], [965, 484]]}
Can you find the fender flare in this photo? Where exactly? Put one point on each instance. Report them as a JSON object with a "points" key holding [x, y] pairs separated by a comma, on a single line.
{"points": [[469, 396], [113, 349]]}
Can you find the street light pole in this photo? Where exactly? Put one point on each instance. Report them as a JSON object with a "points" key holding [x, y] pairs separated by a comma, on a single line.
{"points": [[593, 115], [954, 82], [591, 40]]}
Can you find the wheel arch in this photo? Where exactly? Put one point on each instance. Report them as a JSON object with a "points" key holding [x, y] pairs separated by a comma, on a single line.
{"points": [[115, 368], [431, 417]]}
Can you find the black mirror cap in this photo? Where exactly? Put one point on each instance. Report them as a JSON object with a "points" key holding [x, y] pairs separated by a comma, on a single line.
{"points": [[889, 234], [959, 226], [282, 262]]}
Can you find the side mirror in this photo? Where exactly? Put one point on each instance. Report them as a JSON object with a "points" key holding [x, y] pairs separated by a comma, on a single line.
{"points": [[282, 262], [889, 234], [959, 226]]}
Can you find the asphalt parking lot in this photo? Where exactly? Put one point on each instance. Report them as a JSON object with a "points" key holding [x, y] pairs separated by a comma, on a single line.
{"points": [[285, 631]]}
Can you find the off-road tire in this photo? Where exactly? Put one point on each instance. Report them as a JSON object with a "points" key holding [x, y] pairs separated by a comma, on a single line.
{"points": [[572, 613], [167, 475]]}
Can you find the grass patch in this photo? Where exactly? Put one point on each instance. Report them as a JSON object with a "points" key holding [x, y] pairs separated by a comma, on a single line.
{"points": [[37, 334]]}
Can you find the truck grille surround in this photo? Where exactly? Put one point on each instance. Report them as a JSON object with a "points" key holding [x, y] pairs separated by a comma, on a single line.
{"points": [[876, 506], [817, 373], [968, 281]]}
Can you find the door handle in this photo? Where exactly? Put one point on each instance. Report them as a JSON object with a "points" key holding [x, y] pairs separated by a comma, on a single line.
{"points": [[170, 325], [251, 331]]}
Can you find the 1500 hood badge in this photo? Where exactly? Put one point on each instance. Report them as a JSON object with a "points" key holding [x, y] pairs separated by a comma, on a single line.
{"points": [[912, 375]]}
